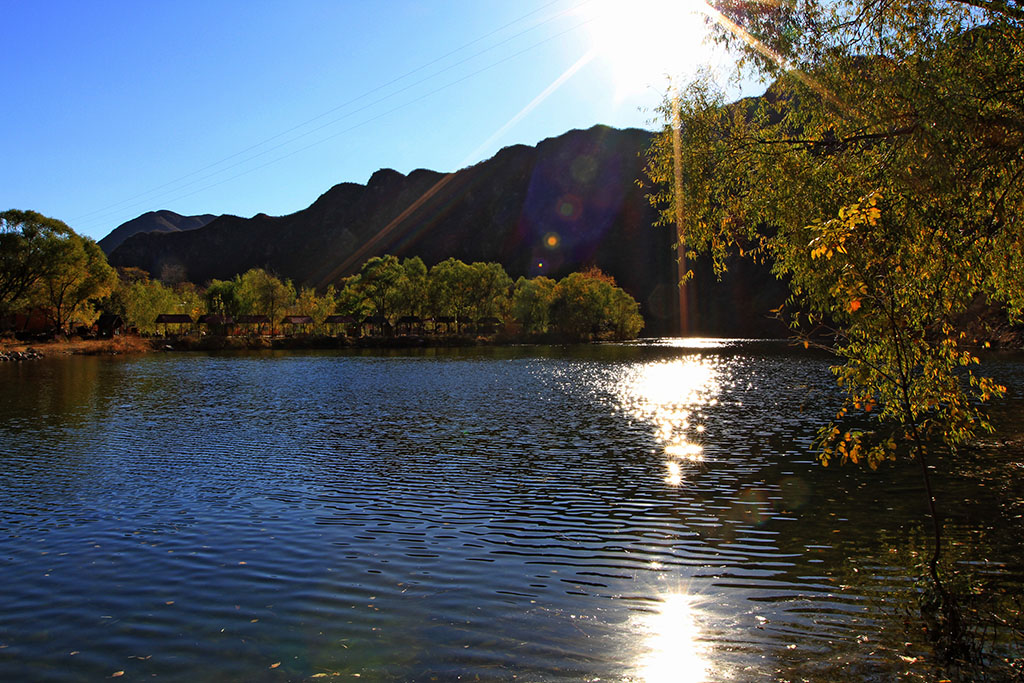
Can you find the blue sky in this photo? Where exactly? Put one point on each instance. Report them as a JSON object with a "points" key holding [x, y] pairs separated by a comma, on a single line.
{"points": [[116, 108]]}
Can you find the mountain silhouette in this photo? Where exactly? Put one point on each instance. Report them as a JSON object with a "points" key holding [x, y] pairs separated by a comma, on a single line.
{"points": [[568, 203], [152, 221]]}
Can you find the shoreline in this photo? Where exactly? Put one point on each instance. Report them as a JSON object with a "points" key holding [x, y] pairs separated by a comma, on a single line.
{"points": [[131, 345], [18, 351], [74, 347]]}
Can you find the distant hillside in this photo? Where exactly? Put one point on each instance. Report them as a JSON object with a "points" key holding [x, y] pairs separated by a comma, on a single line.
{"points": [[567, 203], [153, 221]]}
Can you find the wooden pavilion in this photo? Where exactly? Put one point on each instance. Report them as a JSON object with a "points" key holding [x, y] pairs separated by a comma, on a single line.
{"points": [[300, 322], [445, 320], [487, 325], [409, 324], [254, 319], [347, 321], [178, 319], [217, 323], [375, 324]]}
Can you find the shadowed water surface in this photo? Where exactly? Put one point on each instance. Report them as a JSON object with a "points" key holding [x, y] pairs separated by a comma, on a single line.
{"points": [[639, 512]]}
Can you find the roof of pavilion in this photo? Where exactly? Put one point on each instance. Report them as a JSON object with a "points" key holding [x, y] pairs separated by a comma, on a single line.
{"points": [[173, 318], [215, 319]]}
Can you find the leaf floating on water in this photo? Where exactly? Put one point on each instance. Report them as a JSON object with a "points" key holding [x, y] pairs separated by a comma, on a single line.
{"points": [[169, 602], [117, 674], [275, 665], [243, 562], [70, 654], [253, 621]]}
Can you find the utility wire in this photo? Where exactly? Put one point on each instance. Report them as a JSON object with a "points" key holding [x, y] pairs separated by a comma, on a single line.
{"points": [[101, 214], [318, 128], [378, 116]]}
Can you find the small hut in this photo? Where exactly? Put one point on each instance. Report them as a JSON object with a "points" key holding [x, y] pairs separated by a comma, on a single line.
{"points": [[110, 325], [300, 322], [179, 319], [258, 320], [346, 320]]}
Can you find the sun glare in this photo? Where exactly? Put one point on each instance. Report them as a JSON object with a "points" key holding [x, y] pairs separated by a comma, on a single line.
{"points": [[674, 648], [672, 396], [649, 43]]}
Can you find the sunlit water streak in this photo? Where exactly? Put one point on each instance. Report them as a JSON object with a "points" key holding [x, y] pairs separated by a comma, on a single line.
{"points": [[673, 395], [490, 513]]}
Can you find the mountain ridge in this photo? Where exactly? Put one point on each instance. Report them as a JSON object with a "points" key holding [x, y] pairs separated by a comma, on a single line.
{"points": [[161, 220], [569, 202]]}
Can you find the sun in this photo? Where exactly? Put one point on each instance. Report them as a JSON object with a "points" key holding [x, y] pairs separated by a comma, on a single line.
{"points": [[649, 43]]}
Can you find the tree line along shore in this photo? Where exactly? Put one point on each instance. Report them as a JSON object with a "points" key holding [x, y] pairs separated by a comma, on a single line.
{"points": [[56, 284]]}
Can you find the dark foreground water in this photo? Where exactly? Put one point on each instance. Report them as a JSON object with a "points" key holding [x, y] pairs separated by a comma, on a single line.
{"points": [[646, 512]]}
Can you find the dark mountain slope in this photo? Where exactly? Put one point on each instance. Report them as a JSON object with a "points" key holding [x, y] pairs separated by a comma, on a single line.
{"points": [[153, 221], [569, 202]]}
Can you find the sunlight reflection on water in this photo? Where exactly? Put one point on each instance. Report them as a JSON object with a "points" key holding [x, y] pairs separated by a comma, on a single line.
{"points": [[672, 642], [475, 514], [672, 395], [696, 343]]}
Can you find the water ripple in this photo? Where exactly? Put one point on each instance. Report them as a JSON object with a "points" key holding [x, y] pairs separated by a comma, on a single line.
{"points": [[491, 513]]}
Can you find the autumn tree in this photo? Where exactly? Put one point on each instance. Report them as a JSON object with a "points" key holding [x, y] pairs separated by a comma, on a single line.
{"points": [[222, 297], [450, 290], [882, 173], [44, 263], [589, 305], [316, 306], [188, 299], [409, 295], [79, 272], [259, 292], [489, 289], [531, 303], [142, 300], [377, 281], [116, 302], [349, 300], [30, 247]]}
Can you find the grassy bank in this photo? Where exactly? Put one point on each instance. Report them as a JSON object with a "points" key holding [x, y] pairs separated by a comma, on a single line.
{"points": [[88, 347]]}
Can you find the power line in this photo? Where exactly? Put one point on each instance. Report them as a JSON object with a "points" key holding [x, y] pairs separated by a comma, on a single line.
{"points": [[98, 215], [373, 118], [314, 130]]}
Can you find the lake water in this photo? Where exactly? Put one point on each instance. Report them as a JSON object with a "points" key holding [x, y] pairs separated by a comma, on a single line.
{"points": [[617, 512]]}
